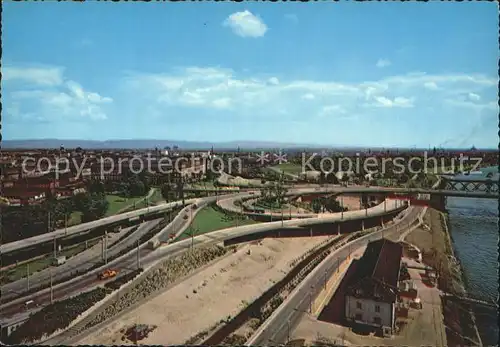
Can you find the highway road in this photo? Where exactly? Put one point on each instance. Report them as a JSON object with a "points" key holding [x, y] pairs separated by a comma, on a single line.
{"points": [[219, 236], [13, 246], [79, 263], [277, 330], [179, 247], [12, 310], [229, 204], [413, 191], [47, 237], [149, 256]]}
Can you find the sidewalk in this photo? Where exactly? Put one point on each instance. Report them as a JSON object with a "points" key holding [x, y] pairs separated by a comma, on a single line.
{"points": [[331, 286]]}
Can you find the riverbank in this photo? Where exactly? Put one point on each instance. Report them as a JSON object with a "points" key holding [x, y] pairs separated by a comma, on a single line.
{"points": [[435, 243]]}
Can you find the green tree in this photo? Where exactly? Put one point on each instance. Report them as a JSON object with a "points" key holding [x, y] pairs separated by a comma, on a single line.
{"points": [[96, 187], [167, 192], [345, 178], [332, 205], [136, 186], [92, 206], [331, 178], [316, 205]]}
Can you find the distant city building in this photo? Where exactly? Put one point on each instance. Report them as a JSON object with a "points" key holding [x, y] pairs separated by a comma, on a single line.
{"points": [[372, 290]]}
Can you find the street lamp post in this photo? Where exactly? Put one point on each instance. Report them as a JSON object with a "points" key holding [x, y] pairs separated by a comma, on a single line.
{"points": [[288, 331], [105, 247], [28, 274], [55, 247], [138, 256], [192, 229], [51, 289], [342, 206], [310, 300]]}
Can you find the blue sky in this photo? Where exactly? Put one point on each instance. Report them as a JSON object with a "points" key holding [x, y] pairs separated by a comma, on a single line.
{"points": [[368, 74]]}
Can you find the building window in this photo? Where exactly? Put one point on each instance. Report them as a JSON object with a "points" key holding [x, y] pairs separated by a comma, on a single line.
{"points": [[358, 305], [377, 308], [358, 317], [377, 320]]}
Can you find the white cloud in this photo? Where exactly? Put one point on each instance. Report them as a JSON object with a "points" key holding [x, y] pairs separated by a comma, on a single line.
{"points": [[255, 96], [48, 76], [383, 63], [222, 103], [332, 110], [274, 81], [472, 105], [431, 85], [292, 17], [474, 97], [53, 97], [246, 24], [382, 101]]}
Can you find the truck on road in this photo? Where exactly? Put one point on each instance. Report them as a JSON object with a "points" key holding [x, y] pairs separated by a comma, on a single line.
{"points": [[153, 244], [59, 260]]}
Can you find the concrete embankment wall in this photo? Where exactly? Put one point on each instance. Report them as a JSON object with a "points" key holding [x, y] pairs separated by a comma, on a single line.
{"points": [[317, 230], [459, 279]]}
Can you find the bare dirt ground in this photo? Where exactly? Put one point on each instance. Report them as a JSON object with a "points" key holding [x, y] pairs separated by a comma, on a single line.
{"points": [[216, 293], [351, 202]]}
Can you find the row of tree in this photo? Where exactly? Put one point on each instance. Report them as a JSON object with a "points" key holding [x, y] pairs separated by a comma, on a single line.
{"points": [[326, 204], [134, 185], [22, 222], [274, 193]]}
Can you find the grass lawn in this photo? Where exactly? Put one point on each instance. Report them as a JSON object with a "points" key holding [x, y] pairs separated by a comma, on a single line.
{"points": [[153, 200], [289, 167], [75, 218], [209, 219], [270, 205], [117, 203], [204, 185], [16, 273]]}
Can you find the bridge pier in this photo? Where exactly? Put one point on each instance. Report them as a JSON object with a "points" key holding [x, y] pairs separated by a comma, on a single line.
{"points": [[438, 202]]}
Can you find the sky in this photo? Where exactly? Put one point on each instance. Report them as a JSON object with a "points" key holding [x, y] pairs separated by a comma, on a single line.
{"points": [[354, 74]]}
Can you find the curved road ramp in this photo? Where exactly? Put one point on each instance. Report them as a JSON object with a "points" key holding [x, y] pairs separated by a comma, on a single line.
{"points": [[216, 237]]}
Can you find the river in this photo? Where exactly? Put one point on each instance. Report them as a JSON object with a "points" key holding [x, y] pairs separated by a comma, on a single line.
{"points": [[474, 230]]}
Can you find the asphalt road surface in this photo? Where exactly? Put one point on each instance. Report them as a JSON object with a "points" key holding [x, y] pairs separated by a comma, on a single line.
{"points": [[148, 256], [81, 262], [280, 328], [15, 309]]}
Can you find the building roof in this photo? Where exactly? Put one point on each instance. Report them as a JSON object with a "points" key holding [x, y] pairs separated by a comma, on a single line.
{"points": [[377, 272]]}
